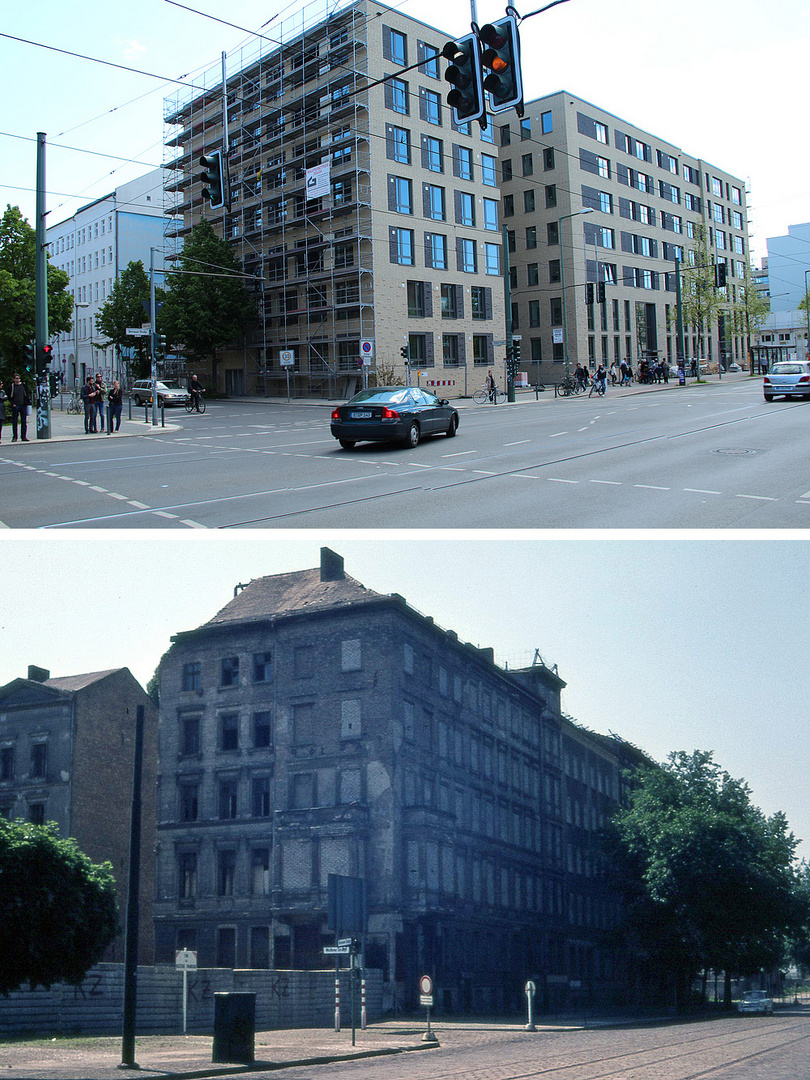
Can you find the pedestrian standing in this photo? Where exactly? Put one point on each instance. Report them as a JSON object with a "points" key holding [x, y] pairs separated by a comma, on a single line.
{"points": [[100, 402], [3, 400], [116, 399], [613, 373], [491, 387], [89, 402], [20, 404]]}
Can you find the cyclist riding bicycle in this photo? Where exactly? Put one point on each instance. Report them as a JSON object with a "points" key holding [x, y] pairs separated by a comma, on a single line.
{"points": [[195, 388]]}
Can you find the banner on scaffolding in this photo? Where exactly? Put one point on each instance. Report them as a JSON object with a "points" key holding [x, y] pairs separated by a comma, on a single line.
{"points": [[318, 181]]}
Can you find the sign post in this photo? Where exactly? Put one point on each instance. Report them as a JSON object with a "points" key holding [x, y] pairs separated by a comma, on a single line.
{"points": [[426, 999], [186, 960], [286, 359], [530, 990]]}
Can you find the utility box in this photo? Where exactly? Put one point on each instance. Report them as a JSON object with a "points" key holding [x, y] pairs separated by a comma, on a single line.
{"points": [[234, 1028]]}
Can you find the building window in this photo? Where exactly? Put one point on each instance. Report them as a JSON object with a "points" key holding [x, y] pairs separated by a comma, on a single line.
{"points": [[226, 872], [229, 731], [400, 195], [525, 128], [492, 259], [189, 802], [430, 106], [506, 135], [7, 763], [189, 736], [395, 46], [489, 174], [260, 871], [350, 726], [449, 302], [481, 349], [396, 96], [467, 263], [551, 195], [229, 671], [416, 299], [532, 274], [262, 667], [435, 252], [465, 209], [478, 302], [528, 164], [429, 57], [432, 154], [302, 791], [462, 162], [534, 313], [260, 797], [490, 215], [39, 761], [187, 875], [36, 813], [531, 236], [227, 799], [434, 202], [546, 123], [451, 351], [192, 675], [262, 730]]}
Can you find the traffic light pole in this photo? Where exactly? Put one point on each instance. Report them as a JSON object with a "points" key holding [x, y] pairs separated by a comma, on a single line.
{"points": [[153, 334], [507, 304], [41, 290]]}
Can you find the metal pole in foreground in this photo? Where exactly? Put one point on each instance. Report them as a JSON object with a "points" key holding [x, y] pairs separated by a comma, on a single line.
{"points": [[133, 896], [41, 300]]}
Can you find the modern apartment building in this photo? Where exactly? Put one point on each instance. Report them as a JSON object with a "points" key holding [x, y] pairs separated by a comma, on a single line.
{"points": [[788, 265], [316, 727], [590, 198], [93, 247], [362, 211], [66, 755]]}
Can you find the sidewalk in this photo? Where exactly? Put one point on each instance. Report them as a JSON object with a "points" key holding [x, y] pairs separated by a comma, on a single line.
{"points": [[68, 427]]}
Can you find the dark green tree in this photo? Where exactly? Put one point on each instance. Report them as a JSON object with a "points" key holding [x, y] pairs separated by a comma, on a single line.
{"points": [[710, 881], [18, 291], [128, 306], [207, 306], [58, 909]]}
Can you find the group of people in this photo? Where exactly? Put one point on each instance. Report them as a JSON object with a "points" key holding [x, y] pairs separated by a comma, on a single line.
{"points": [[583, 376], [19, 398], [621, 374], [95, 398]]}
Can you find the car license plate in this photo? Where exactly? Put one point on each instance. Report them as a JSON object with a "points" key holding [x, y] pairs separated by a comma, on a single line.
{"points": [[360, 415]]}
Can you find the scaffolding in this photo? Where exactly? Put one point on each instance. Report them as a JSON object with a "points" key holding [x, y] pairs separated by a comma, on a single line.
{"points": [[296, 106]]}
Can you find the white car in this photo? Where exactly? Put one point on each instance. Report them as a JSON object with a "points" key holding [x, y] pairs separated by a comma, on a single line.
{"points": [[756, 1001], [168, 393], [788, 377]]}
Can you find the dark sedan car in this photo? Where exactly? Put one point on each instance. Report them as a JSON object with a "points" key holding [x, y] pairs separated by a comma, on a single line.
{"points": [[389, 413]]}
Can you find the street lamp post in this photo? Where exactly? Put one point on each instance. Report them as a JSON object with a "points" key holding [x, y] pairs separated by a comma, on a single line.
{"points": [[565, 217]]}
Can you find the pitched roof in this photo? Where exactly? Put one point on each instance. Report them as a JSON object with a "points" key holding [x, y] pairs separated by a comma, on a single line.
{"points": [[79, 682], [286, 594]]}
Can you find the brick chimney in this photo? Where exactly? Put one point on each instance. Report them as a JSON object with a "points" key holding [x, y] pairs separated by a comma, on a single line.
{"points": [[38, 674], [331, 565]]}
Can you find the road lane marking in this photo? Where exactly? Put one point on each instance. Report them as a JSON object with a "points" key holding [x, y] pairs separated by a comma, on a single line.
{"points": [[652, 487], [520, 442], [616, 483], [702, 491], [557, 434], [761, 498]]}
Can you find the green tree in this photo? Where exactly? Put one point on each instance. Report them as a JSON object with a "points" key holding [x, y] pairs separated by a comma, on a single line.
{"points": [[750, 311], [710, 881], [206, 306], [701, 300], [58, 910], [127, 306], [18, 291]]}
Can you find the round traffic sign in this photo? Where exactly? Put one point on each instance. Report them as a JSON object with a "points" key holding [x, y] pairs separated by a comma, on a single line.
{"points": [[426, 985]]}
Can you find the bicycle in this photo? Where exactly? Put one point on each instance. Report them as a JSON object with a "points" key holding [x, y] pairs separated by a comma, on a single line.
{"points": [[481, 397], [198, 404], [569, 385], [75, 405], [597, 387]]}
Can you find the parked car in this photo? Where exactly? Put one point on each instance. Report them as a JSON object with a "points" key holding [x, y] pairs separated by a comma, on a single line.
{"points": [[391, 413], [788, 377], [168, 393], [755, 1001]]}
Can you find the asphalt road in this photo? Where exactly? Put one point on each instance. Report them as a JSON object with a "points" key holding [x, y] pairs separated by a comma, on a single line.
{"points": [[711, 455], [736, 1048]]}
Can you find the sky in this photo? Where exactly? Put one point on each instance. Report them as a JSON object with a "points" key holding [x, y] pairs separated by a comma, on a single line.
{"points": [[670, 641], [722, 80]]}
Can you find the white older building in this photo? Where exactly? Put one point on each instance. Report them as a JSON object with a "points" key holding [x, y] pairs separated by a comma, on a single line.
{"points": [[93, 247]]}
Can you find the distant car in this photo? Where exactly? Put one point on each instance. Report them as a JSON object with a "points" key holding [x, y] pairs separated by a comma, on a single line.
{"points": [[734, 367], [393, 413], [755, 1001], [168, 393], [788, 377]]}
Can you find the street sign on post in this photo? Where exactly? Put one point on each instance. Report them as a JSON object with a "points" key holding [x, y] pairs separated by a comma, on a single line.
{"points": [[337, 950], [426, 999]]}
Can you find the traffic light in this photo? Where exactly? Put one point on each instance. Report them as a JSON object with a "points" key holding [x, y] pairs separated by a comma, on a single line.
{"points": [[53, 383], [600, 293], [160, 346], [720, 272], [589, 294], [501, 58], [29, 357], [465, 76], [405, 353], [515, 351], [44, 357], [213, 177]]}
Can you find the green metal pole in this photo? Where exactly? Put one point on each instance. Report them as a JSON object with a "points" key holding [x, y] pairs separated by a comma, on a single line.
{"points": [[41, 291], [507, 300]]}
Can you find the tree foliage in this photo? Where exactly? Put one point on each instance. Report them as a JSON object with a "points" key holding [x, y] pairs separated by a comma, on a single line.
{"points": [[58, 909], [18, 291], [207, 306], [710, 881], [128, 306], [701, 300]]}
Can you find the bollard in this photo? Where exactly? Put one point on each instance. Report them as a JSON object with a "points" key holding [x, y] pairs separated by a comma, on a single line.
{"points": [[530, 989], [337, 1004], [363, 1014]]}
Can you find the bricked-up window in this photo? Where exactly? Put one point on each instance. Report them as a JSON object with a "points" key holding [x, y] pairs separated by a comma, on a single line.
{"points": [[226, 872], [189, 802], [189, 736], [260, 797], [260, 871], [302, 792], [39, 760], [227, 799], [350, 726], [262, 667], [229, 731], [187, 875], [229, 671], [192, 675], [351, 655], [7, 763], [303, 717], [262, 730], [408, 720], [302, 659], [349, 782], [407, 658]]}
